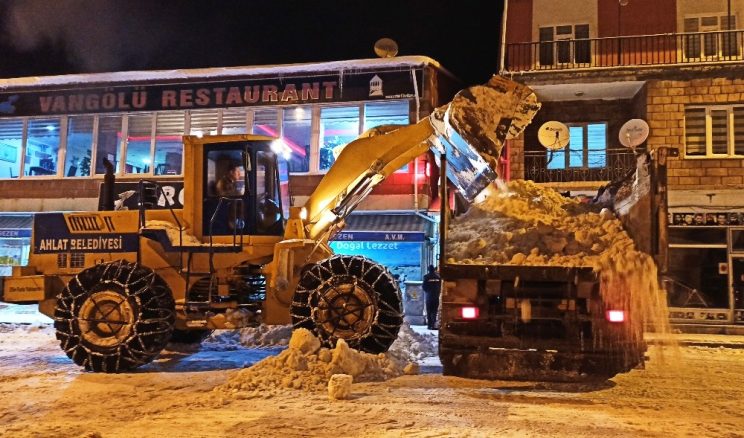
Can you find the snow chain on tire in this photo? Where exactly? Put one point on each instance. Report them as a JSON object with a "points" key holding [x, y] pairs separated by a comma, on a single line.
{"points": [[350, 298], [114, 317]]}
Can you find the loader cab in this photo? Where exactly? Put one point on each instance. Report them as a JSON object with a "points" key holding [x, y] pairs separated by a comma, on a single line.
{"points": [[243, 186]]}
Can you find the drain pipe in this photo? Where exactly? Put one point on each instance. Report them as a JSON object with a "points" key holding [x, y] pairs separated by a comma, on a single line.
{"points": [[503, 37]]}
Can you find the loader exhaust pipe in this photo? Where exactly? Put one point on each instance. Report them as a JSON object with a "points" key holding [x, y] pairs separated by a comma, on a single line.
{"points": [[106, 198]]}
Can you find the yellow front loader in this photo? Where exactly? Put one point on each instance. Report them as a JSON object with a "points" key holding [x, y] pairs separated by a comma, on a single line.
{"points": [[120, 284]]}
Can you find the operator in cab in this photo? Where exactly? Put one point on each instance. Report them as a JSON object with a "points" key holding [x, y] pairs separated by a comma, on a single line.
{"points": [[228, 185]]}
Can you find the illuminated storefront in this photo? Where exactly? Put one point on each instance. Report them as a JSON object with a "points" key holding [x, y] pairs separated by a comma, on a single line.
{"points": [[56, 131]]}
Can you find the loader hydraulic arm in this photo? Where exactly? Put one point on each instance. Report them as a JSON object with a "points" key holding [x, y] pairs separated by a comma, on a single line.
{"points": [[470, 130]]}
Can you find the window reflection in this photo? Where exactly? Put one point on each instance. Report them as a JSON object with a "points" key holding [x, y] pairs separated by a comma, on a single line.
{"points": [[338, 127], [168, 143], [79, 146], [42, 147], [139, 141], [109, 142], [296, 134], [11, 133]]}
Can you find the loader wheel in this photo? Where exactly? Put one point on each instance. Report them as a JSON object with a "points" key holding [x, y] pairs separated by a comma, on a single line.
{"points": [[114, 317], [350, 298]]}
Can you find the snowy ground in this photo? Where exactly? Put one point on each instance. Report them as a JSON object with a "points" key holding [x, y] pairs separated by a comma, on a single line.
{"points": [[696, 391]]}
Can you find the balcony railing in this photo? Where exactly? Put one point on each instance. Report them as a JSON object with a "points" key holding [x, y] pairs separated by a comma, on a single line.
{"points": [[664, 49], [618, 162]]}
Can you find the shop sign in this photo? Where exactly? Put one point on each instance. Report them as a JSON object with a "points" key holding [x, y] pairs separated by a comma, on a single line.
{"points": [[379, 237], [22, 232], [700, 219], [338, 87]]}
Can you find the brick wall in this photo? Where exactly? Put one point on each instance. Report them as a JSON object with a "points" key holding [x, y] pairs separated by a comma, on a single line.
{"points": [[666, 101]]}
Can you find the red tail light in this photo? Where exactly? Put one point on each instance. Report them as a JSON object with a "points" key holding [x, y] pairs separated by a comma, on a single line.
{"points": [[615, 315], [469, 312]]}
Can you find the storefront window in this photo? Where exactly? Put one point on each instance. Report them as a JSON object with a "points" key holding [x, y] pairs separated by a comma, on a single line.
{"points": [[79, 145], [139, 142], [265, 122], [700, 278], [11, 134], [168, 143], [42, 147], [109, 142], [204, 122], [234, 121], [338, 127], [385, 113], [296, 134]]}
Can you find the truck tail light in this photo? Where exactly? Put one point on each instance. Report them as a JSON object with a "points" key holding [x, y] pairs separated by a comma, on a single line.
{"points": [[615, 315], [469, 312]]}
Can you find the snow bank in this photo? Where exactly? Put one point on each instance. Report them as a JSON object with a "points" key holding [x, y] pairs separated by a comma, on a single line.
{"points": [[304, 365]]}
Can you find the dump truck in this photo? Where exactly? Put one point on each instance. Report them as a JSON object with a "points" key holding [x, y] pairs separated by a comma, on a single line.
{"points": [[120, 284], [552, 323]]}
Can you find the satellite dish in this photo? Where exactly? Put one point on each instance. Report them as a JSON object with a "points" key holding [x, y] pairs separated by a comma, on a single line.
{"points": [[553, 135], [633, 133], [386, 48]]}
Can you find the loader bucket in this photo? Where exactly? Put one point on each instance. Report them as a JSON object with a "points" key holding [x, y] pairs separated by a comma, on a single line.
{"points": [[471, 130]]}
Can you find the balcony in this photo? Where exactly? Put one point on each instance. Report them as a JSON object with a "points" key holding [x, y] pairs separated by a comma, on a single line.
{"points": [[612, 52], [619, 162]]}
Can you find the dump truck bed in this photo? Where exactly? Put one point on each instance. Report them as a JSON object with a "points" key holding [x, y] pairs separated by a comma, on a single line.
{"points": [[532, 323]]}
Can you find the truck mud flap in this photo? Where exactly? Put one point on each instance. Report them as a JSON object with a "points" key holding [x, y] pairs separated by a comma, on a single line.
{"points": [[508, 364]]}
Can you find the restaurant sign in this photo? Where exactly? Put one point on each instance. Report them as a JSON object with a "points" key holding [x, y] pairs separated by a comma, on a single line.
{"points": [[288, 90]]}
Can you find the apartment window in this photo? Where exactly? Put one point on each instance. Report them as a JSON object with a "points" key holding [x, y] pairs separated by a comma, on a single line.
{"points": [[42, 147], [705, 38], [567, 44], [714, 131], [587, 148]]}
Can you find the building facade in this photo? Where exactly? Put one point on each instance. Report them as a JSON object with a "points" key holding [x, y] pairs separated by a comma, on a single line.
{"points": [[55, 133], [678, 65]]}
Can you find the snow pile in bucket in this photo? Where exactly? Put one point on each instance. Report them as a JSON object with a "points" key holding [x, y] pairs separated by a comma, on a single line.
{"points": [[305, 365], [522, 223]]}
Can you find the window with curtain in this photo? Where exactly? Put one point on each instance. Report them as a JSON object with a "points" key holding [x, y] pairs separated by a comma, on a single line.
{"points": [[204, 122], [108, 143], [169, 129], [79, 145], [234, 121], [11, 136], [587, 148], [42, 147], [714, 131], [139, 142]]}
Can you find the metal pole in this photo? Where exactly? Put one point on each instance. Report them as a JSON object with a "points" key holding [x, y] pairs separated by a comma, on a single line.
{"points": [[503, 37]]}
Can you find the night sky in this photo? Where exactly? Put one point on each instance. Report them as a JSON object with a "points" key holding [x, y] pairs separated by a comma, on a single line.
{"points": [[49, 37]]}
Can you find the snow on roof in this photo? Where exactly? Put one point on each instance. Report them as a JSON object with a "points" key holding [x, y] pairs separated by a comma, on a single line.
{"points": [[220, 72]]}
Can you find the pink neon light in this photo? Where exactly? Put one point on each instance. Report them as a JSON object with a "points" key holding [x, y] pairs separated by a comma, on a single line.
{"points": [[292, 145]]}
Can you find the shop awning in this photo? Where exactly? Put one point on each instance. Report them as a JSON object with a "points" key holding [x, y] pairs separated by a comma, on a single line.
{"points": [[15, 225], [384, 227]]}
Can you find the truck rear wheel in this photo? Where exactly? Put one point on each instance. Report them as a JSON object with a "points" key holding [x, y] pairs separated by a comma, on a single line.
{"points": [[114, 317], [350, 298]]}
